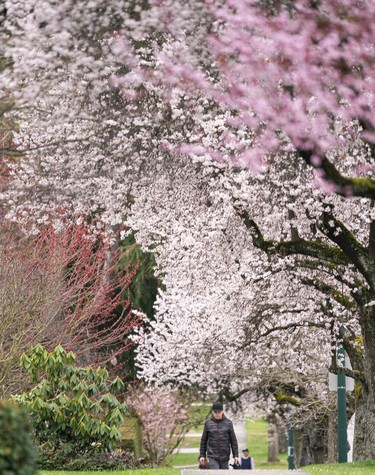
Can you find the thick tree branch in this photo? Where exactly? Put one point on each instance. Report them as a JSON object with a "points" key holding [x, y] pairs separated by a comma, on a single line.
{"points": [[314, 249], [330, 291], [339, 234], [290, 327], [344, 185], [229, 396], [350, 373], [371, 244]]}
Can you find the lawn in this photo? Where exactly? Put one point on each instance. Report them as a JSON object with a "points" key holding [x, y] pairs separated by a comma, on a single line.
{"points": [[359, 468], [185, 460], [145, 471], [190, 442]]}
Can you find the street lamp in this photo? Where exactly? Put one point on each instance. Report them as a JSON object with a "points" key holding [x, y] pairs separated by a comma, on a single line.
{"points": [[342, 434], [291, 465], [341, 383]]}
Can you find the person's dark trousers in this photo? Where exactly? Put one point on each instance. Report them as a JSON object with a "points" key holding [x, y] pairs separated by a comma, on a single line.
{"points": [[218, 464]]}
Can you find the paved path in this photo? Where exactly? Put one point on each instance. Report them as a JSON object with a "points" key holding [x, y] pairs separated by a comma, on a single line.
{"points": [[240, 430], [245, 472]]}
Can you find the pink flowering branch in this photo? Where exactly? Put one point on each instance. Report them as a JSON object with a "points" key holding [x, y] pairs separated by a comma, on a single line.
{"points": [[293, 78]]}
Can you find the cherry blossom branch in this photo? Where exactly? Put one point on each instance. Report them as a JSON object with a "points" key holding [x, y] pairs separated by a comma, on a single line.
{"points": [[331, 291]]}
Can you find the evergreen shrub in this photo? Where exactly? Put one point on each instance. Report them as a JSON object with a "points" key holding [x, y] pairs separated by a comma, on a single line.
{"points": [[17, 452], [74, 411], [88, 460]]}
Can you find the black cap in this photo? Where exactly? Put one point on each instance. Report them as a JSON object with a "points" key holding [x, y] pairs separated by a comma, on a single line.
{"points": [[217, 406]]}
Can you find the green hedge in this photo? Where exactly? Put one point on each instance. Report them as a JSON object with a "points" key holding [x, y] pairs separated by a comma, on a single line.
{"points": [[17, 452]]}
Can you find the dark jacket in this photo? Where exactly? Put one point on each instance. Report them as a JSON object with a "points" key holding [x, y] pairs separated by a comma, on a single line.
{"points": [[246, 463], [218, 439]]}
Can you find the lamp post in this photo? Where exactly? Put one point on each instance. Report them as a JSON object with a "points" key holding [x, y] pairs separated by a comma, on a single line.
{"points": [[341, 411], [341, 384]]}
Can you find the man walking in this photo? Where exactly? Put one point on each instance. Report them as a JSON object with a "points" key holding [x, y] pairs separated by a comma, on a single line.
{"points": [[218, 439]]}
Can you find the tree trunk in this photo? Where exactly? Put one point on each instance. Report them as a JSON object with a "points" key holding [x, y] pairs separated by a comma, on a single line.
{"points": [[332, 430], [283, 437], [311, 443], [364, 432], [273, 440]]}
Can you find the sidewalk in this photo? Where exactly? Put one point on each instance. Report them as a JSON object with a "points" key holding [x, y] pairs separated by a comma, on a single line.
{"points": [[240, 431], [247, 472]]}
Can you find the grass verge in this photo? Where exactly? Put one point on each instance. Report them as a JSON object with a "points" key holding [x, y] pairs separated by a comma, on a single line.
{"points": [[356, 468], [143, 471]]}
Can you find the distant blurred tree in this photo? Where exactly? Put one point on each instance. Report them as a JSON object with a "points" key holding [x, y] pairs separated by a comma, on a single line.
{"points": [[163, 419]]}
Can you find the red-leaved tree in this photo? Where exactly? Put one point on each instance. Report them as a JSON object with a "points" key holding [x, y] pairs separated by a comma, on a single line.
{"points": [[60, 287]]}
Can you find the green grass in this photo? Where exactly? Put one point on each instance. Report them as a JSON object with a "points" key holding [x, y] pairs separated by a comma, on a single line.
{"points": [[191, 442], [356, 468], [181, 460], [197, 415], [143, 471], [359, 468]]}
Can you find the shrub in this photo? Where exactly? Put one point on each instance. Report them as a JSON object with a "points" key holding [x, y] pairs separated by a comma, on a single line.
{"points": [[17, 452], [73, 409], [89, 460]]}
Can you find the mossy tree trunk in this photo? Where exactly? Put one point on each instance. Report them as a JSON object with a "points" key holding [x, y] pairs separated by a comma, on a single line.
{"points": [[364, 433], [311, 443]]}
